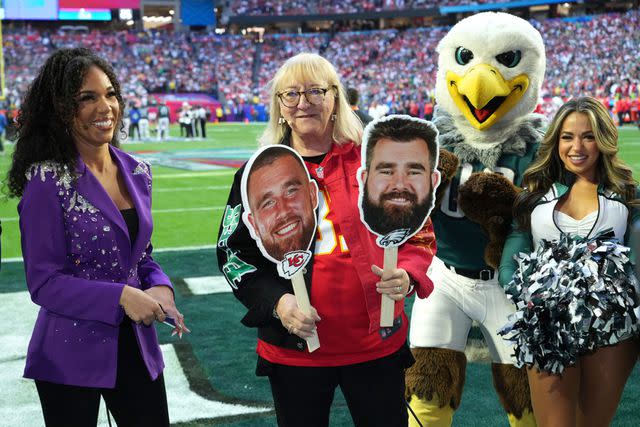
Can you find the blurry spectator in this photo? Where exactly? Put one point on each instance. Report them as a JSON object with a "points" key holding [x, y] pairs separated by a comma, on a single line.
{"points": [[185, 118], [3, 126], [201, 120], [134, 125], [635, 110], [143, 123], [163, 121], [353, 98], [153, 119], [427, 110], [219, 114]]}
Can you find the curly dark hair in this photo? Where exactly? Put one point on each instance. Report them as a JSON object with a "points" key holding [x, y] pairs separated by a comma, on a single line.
{"points": [[47, 112]]}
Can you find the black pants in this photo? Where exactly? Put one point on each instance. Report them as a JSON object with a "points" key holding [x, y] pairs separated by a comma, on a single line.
{"points": [[135, 401], [187, 129], [133, 128], [374, 392]]}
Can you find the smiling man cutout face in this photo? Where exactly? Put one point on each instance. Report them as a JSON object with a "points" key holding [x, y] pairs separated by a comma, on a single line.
{"points": [[399, 175], [281, 200]]}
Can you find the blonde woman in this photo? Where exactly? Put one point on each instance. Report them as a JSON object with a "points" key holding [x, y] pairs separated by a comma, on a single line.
{"points": [[309, 112], [578, 331]]}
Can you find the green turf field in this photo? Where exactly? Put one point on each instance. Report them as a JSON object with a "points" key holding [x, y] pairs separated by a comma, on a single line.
{"points": [[210, 374]]}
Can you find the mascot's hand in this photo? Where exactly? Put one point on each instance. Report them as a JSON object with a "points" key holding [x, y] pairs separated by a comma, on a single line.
{"points": [[487, 199], [447, 165]]}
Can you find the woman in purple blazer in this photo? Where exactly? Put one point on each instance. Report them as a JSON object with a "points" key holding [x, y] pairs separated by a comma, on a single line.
{"points": [[85, 222]]}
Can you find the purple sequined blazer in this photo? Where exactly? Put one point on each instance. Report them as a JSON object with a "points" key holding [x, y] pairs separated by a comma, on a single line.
{"points": [[77, 258]]}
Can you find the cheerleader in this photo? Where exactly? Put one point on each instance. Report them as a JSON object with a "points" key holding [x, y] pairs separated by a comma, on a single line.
{"points": [[567, 268]]}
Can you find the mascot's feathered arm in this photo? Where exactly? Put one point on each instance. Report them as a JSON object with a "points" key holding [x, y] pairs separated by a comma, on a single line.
{"points": [[486, 199], [447, 165]]}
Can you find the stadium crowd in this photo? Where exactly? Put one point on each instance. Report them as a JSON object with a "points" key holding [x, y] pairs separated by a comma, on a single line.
{"points": [[394, 70], [334, 7], [277, 48]]}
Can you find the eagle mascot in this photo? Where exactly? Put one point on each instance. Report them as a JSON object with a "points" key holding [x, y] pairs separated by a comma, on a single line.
{"points": [[490, 69]]}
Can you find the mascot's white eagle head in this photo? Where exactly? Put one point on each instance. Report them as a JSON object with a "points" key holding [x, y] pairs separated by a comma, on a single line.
{"points": [[490, 69]]}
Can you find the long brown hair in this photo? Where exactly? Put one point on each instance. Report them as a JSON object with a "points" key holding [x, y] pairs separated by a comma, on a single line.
{"points": [[548, 168]]}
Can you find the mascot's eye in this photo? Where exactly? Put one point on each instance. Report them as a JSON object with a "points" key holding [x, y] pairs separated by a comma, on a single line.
{"points": [[463, 55], [510, 59]]}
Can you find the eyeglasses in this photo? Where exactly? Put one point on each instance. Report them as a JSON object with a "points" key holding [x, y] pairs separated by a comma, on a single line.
{"points": [[314, 96]]}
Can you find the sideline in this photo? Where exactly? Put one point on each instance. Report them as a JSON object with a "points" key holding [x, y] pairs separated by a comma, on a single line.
{"points": [[153, 211], [159, 250]]}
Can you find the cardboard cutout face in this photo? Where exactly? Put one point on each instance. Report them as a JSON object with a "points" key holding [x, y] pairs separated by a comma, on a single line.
{"points": [[279, 199], [397, 179]]}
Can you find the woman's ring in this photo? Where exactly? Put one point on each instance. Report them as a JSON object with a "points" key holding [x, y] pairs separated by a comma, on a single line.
{"points": [[398, 288]]}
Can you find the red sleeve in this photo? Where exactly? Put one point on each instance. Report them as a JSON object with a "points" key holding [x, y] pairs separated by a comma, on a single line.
{"points": [[415, 257]]}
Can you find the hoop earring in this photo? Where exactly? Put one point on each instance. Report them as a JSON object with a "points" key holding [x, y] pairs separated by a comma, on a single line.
{"points": [[334, 117], [281, 121]]}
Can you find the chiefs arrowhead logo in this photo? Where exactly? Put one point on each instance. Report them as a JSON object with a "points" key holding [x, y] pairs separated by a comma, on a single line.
{"points": [[293, 262], [395, 238]]}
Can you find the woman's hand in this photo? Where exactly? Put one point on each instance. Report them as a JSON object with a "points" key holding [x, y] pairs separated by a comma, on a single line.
{"points": [[140, 307], [395, 284], [164, 296], [293, 319]]}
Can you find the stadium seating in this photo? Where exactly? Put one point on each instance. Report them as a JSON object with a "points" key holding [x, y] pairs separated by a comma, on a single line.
{"points": [[591, 55], [335, 7]]}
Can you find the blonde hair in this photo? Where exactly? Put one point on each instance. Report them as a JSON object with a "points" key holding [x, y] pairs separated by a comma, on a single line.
{"points": [[311, 67], [548, 168]]}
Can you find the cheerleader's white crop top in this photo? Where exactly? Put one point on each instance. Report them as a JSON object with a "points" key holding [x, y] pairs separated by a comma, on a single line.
{"points": [[547, 222]]}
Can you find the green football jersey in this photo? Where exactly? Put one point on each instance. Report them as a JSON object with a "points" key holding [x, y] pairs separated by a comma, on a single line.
{"points": [[461, 242]]}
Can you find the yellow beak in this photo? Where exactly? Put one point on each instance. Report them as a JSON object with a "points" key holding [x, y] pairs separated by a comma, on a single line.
{"points": [[483, 95]]}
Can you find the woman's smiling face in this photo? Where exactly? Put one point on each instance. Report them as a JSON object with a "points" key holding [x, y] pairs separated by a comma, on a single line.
{"points": [[577, 146], [307, 119], [98, 109]]}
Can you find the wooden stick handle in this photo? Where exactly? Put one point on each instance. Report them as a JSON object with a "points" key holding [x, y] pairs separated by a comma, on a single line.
{"points": [[387, 305], [302, 298]]}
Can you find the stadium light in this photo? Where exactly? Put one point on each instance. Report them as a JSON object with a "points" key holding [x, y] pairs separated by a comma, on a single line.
{"points": [[156, 18], [125, 14]]}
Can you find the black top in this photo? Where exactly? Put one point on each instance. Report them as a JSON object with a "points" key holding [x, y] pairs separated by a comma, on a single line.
{"points": [[131, 219], [316, 160]]}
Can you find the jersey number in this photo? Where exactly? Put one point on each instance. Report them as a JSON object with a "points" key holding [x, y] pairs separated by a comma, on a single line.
{"points": [[327, 238], [449, 205]]}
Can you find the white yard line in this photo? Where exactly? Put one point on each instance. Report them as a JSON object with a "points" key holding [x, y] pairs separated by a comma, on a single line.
{"points": [[208, 187], [159, 250], [153, 211], [204, 208], [194, 174], [184, 248], [207, 285]]}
